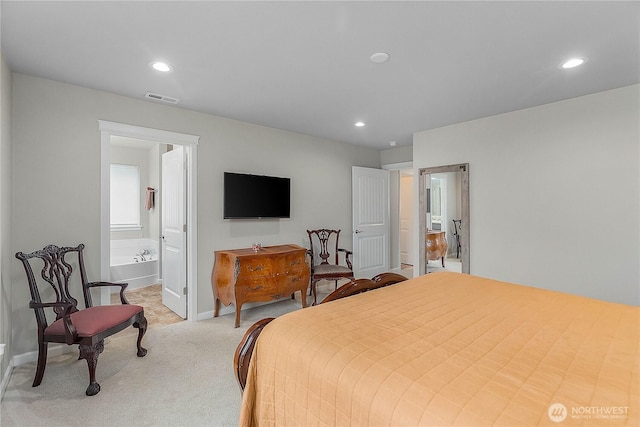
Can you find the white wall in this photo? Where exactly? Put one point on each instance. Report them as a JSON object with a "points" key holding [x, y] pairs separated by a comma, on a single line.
{"points": [[6, 255], [396, 155], [554, 193], [57, 169]]}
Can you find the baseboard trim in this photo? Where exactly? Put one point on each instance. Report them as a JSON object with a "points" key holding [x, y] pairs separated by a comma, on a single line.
{"points": [[32, 356], [5, 379], [231, 309], [205, 315]]}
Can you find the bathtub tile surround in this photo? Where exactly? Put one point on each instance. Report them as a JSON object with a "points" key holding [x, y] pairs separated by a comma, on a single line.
{"points": [[135, 261]]}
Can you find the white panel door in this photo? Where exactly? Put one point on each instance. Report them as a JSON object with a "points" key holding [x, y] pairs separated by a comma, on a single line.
{"points": [[174, 272], [406, 219], [370, 199]]}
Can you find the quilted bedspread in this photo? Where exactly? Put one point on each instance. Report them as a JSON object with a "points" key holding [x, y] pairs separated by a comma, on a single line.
{"points": [[448, 349]]}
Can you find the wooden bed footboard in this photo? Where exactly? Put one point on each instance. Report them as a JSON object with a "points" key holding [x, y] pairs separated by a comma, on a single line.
{"points": [[244, 350], [358, 286]]}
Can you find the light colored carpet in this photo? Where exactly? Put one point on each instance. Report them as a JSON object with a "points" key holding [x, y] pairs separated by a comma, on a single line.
{"points": [[186, 379]]}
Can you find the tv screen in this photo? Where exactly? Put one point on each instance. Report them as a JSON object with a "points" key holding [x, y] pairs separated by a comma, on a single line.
{"points": [[256, 196]]}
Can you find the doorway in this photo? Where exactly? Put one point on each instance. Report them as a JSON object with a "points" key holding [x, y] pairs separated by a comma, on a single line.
{"points": [[401, 211], [406, 225], [443, 196], [140, 180], [186, 143]]}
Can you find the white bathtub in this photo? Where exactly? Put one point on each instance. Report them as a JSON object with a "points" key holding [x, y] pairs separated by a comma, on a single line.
{"points": [[128, 266]]}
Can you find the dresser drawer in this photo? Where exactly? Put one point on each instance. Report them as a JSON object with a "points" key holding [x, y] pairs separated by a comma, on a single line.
{"points": [[258, 266], [267, 288]]}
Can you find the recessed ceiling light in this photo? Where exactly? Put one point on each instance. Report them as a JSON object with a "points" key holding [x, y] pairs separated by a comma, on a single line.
{"points": [[573, 62], [379, 57], [393, 143], [359, 124], [161, 66]]}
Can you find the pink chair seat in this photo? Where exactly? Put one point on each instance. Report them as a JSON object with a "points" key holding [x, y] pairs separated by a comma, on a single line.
{"points": [[93, 320], [327, 269]]}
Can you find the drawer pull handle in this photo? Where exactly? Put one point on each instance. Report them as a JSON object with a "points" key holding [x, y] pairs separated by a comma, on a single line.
{"points": [[256, 268]]}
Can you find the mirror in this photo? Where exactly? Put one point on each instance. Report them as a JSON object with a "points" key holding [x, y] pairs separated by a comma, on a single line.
{"points": [[438, 181], [444, 218]]}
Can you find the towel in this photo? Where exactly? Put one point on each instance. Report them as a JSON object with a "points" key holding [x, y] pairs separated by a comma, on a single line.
{"points": [[149, 201]]}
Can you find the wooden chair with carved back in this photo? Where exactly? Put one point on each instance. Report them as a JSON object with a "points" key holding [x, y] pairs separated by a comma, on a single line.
{"points": [[87, 327], [457, 226], [324, 252]]}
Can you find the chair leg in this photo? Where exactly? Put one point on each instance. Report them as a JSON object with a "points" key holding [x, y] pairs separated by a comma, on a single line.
{"points": [[142, 329], [315, 295], [42, 363], [90, 353]]}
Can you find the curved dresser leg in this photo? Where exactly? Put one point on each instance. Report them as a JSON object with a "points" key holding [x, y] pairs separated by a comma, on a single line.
{"points": [[238, 308]]}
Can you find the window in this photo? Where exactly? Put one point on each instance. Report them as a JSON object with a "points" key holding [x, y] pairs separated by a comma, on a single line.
{"points": [[125, 197]]}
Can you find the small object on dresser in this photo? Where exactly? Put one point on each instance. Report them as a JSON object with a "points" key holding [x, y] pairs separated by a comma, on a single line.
{"points": [[256, 247]]}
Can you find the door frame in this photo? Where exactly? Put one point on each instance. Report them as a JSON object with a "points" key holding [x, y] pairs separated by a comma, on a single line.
{"points": [[420, 269], [190, 143]]}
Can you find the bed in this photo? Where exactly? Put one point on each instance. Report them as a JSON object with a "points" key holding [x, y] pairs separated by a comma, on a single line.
{"points": [[448, 349]]}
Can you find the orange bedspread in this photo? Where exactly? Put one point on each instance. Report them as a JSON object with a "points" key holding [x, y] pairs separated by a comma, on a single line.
{"points": [[448, 349]]}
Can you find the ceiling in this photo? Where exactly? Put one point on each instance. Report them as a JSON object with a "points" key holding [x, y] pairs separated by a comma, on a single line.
{"points": [[304, 66]]}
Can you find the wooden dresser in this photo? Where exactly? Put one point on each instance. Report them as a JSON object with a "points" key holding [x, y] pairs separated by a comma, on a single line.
{"points": [[436, 245], [245, 275]]}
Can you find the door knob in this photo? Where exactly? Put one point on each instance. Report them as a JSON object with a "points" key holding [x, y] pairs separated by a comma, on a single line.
{"points": [[358, 231]]}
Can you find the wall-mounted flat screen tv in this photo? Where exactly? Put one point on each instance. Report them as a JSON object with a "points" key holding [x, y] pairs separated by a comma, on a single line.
{"points": [[256, 196]]}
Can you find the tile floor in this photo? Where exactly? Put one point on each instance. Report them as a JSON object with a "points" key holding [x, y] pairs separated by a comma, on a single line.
{"points": [[150, 297]]}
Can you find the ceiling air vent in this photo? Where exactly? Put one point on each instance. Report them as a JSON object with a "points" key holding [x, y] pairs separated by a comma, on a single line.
{"points": [[161, 98]]}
